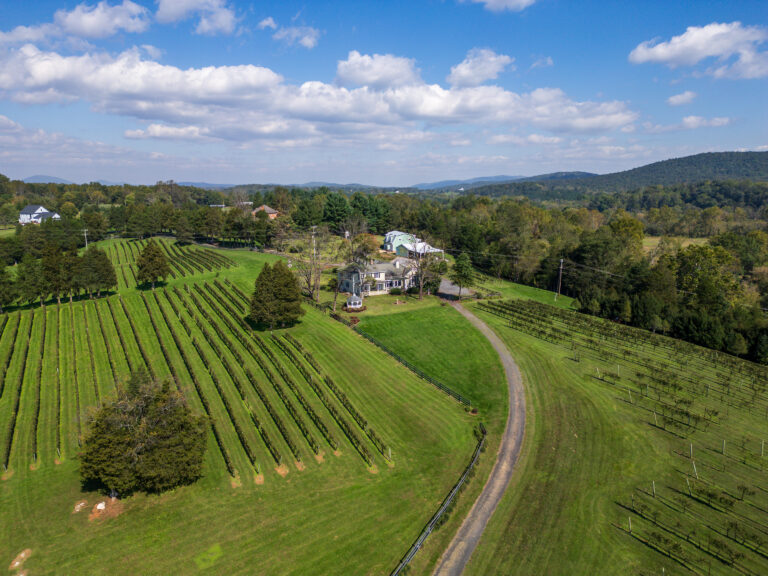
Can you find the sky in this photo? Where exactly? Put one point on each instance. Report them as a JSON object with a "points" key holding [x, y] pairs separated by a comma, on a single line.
{"points": [[389, 93]]}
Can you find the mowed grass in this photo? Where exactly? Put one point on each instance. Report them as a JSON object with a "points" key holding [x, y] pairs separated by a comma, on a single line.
{"points": [[327, 515]]}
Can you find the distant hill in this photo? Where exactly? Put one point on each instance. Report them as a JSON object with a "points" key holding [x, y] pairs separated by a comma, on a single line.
{"points": [[558, 176], [689, 169], [470, 183], [43, 179], [206, 185]]}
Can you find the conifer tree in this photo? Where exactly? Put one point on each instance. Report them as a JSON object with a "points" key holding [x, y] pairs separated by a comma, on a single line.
{"points": [[277, 297], [152, 264]]}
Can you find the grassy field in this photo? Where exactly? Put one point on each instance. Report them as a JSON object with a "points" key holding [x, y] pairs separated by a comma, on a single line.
{"points": [[650, 243], [297, 476], [623, 424]]}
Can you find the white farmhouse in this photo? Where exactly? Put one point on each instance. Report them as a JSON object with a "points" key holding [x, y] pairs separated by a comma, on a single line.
{"points": [[35, 214]]}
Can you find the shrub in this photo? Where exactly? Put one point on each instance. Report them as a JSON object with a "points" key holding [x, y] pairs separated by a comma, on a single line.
{"points": [[396, 291]]}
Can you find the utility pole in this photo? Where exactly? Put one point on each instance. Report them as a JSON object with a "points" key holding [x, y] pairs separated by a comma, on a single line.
{"points": [[559, 279], [85, 233]]}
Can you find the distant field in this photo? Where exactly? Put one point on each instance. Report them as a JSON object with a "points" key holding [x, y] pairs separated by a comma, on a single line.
{"points": [[297, 477], [650, 243]]}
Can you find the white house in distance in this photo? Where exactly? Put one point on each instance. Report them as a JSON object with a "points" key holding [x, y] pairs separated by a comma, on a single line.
{"points": [[378, 277], [35, 214]]}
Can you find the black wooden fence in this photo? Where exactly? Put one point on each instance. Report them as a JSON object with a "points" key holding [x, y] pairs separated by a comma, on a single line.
{"points": [[434, 521]]}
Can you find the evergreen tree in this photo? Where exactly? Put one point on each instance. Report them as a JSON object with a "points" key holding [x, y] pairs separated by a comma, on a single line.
{"points": [[183, 230], [152, 264], [29, 279], [462, 274], [53, 270], [146, 439], [336, 209], [277, 297], [7, 288], [96, 271]]}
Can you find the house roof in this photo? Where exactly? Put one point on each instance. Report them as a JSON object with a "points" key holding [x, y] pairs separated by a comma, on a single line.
{"points": [[30, 209], [45, 216], [379, 266], [421, 248], [266, 209]]}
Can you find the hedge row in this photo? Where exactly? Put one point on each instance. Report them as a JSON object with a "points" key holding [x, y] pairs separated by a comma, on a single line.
{"points": [[107, 343], [142, 351], [120, 336], [90, 355], [228, 407], [15, 411], [236, 289], [9, 354], [236, 379], [244, 308], [74, 371], [343, 424], [361, 421], [297, 392], [248, 345], [38, 384], [58, 381], [198, 388]]}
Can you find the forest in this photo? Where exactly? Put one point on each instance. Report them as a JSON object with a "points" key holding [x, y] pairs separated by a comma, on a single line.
{"points": [[711, 292]]}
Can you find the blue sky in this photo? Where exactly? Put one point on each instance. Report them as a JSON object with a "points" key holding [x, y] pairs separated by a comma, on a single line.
{"points": [[387, 93]]}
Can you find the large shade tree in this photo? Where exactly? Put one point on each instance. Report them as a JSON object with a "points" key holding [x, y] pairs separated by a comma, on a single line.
{"points": [[145, 439]]}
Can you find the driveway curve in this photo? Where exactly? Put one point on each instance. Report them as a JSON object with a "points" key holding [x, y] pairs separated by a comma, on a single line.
{"points": [[458, 553]]}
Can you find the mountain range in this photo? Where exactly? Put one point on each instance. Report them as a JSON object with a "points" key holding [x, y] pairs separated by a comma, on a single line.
{"points": [[696, 168]]}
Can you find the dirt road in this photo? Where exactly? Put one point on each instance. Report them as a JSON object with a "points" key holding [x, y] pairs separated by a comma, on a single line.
{"points": [[464, 543]]}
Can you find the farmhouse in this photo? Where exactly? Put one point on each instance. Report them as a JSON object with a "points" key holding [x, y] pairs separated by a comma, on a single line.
{"points": [[270, 212], [393, 239], [378, 277], [35, 214]]}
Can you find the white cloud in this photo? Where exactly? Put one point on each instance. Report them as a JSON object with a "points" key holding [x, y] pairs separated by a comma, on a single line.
{"points": [[103, 20], [688, 123], [543, 62], [84, 21], [304, 35], [27, 150], [693, 122], [377, 71], [539, 139], [501, 5], [268, 22], [216, 17], [481, 64], [722, 41], [248, 104], [163, 132], [680, 99]]}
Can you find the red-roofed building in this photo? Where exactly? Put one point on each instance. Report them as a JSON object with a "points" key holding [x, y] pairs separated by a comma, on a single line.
{"points": [[271, 212]]}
